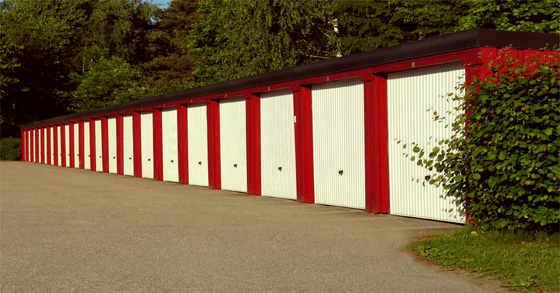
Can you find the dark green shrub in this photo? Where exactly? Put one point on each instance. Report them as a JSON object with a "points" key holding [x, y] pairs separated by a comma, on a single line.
{"points": [[502, 163], [10, 149]]}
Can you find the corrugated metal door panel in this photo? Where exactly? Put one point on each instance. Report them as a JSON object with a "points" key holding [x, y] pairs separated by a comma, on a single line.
{"points": [[128, 146], [197, 144], [87, 151], [76, 145], [98, 147], [147, 137], [278, 155], [338, 143], [413, 96], [59, 144], [67, 143], [112, 139], [233, 144], [170, 145], [44, 144], [52, 154]]}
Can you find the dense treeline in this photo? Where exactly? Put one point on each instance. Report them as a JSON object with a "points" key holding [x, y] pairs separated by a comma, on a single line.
{"points": [[64, 56]]}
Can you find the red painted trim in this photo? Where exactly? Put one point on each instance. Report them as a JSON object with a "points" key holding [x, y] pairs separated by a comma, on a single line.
{"points": [[41, 145], [137, 144], [376, 145], [92, 150], [105, 143], [304, 144], [63, 150], [55, 145], [214, 160], [48, 144], [120, 144], [182, 143], [158, 145], [71, 144], [81, 147], [253, 121]]}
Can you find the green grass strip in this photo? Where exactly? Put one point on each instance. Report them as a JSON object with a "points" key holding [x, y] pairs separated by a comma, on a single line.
{"points": [[523, 261]]}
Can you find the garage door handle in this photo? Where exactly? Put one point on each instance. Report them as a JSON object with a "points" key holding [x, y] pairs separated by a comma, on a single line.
{"points": [[130, 158], [280, 168], [200, 163], [149, 160], [234, 165], [99, 156], [340, 172], [171, 161], [114, 157]]}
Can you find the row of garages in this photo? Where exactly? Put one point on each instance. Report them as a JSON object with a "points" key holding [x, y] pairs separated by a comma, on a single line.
{"points": [[327, 139]]}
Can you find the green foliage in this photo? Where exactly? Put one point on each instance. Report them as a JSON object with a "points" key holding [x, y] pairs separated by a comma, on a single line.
{"points": [[512, 15], [10, 149], [523, 261], [502, 163], [110, 81]]}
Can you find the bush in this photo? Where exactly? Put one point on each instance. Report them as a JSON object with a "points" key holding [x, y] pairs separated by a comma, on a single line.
{"points": [[502, 163], [10, 149]]}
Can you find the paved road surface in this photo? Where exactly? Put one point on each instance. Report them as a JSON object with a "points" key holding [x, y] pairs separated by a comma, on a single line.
{"points": [[65, 229]]}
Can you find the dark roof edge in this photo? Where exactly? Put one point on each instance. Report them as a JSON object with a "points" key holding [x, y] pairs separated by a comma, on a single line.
{"points": [[428, 47]]}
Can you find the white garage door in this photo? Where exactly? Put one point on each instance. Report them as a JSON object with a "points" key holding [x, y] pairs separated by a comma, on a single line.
{"points": [[147, 137], [233, 145], [128, 146], [67, 144], [76, 145], [98, 147], [44, 145], [278, 155], [338, 143], [59, 144], [413, 96], [112, 139], [197, 129], [87, 150], [53, 143], [170, 145]]}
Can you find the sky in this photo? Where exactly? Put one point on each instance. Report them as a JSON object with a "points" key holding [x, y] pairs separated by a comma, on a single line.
{"points": [[164, 3]]}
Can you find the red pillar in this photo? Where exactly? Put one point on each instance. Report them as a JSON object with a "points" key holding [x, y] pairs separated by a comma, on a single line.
{"points": [[32, 145], [137, 143], [304, 143], [71, 144], [120, 145], [253, 120], [92, 150], [63, 150], [158, 146], [182, 140], [105, 143], [214, 167]]}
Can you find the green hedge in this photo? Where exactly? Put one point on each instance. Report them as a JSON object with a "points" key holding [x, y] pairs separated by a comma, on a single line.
{"points": [[502, 163], [10, 149]]}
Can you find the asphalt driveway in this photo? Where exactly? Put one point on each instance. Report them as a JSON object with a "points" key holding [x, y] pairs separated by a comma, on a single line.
{"points": [[66, 229]]}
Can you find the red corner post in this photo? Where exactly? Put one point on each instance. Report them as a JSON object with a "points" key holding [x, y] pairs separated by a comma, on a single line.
{"points": [[304, 143], [105, 143], [253, 120], [158, 146], [214, 160], [376, 152], [182, 143], [120, 145], [137, 143], [92, 150]]}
